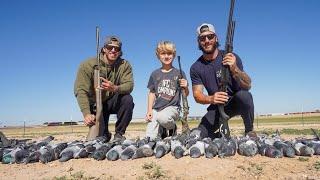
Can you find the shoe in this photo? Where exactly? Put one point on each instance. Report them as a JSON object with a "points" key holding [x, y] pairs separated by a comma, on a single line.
{"points": [[118, 137], [105, 138], [163, 132], [251, 134], [173, 132]]}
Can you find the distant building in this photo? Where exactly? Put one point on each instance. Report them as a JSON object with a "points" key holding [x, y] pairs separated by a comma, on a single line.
{"points": [[54, 124], [69, 123]]}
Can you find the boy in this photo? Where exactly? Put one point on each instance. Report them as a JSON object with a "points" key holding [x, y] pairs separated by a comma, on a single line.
{"points": [[164, 93]]}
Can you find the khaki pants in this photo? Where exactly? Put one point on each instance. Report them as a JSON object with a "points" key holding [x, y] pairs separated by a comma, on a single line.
{"points": [[165, 118]]}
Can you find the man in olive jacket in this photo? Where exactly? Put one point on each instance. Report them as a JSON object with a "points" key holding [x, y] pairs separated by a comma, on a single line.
{"points": [[117, 84]]}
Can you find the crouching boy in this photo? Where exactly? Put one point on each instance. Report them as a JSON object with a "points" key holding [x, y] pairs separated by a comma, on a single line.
{"points": [[164, 94]]}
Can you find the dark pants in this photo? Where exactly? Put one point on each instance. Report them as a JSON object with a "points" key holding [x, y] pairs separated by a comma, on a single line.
{"points": [[240, 104], [122, 105]]}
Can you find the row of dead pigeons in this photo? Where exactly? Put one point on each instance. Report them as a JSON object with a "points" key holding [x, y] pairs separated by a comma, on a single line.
{"points": [[22, 151]]}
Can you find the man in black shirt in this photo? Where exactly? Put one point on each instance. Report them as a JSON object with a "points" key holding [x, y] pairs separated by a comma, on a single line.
{"points": [[206, 73]]}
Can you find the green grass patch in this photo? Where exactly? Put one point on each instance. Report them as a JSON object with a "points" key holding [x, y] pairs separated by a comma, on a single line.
{"points": [[80, 175], [154, 171], [297, 131], [316, 165], [303, 159]]}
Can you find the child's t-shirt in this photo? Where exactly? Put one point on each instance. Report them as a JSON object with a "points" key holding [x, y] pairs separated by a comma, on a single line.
{"points": [[165, 85]]}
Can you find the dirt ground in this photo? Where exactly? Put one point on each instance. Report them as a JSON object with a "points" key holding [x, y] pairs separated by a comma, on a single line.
{"points": [[236, 167]]}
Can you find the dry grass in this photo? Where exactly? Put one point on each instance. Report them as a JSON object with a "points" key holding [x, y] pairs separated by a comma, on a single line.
{"points": [[286, 124]]}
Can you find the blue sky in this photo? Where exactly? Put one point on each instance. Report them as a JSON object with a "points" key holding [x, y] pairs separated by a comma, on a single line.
{"points": [[43, 42]]}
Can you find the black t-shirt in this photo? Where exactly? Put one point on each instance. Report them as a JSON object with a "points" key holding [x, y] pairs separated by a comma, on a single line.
{"points": [[208, 74]]}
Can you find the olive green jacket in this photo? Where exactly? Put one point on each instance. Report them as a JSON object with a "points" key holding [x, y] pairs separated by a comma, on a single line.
{"points": [[120, 73]]}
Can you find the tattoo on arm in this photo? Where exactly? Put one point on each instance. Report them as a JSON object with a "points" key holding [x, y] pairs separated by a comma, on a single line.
{"points": [[242, 78]]}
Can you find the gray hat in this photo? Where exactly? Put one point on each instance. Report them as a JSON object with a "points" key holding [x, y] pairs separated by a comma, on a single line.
{"points": [[205, 27], [113, 40]]}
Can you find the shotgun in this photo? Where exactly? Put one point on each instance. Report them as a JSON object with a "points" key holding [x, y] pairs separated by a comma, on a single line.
{"points": [[98, 128], [225, 74], [185, 109]]}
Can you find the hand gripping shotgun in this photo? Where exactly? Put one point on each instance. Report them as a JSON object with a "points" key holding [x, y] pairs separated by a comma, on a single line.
{"points": [[98, 128], [185, 110], [225, 74]]}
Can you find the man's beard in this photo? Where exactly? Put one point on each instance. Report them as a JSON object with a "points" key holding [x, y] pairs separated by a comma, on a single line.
{"points": [[210, 51]]}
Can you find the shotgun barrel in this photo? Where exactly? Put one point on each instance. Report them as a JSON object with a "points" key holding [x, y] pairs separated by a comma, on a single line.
{"points": [[225, 73]]}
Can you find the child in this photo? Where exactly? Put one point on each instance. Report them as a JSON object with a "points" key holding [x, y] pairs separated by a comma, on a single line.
{"points": [[164, 92]]}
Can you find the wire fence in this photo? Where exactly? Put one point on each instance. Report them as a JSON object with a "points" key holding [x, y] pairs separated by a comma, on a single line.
{"points": [[288, 124]]}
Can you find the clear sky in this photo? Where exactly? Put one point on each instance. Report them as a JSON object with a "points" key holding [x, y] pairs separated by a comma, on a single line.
{"points": [[43, 42]]}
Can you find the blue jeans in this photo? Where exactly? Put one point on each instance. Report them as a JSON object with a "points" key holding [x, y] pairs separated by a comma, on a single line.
{"points": [[239, 104]]}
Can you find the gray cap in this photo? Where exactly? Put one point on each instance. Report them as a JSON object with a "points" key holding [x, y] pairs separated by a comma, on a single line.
{"points": [[113, 40], [205, 27]]}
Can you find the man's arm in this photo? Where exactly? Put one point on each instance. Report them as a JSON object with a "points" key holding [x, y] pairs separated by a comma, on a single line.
{"points": [[242, 78], [82, 88], [126, 85], [217, 98]]}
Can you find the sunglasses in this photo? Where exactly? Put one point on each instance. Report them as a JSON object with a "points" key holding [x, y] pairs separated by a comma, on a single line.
{"points": [[116, 48], [209, 36]]}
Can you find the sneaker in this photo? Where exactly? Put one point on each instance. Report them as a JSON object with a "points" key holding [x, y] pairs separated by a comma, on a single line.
{"points": [[163, 132], [173, 132], [118, 137], [251, 134], [106, 137]]}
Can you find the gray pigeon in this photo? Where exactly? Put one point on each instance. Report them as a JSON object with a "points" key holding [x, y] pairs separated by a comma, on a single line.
{"points": [[100, 153], [178, 145], [9, 155], [303, 150], [128, 152], [286, 149], [33, 157], [22, 156], [226, 146], [73, 151], [315, 145], [144, 151], [162, 147], [269, 151], [210, 148], [114, 153], [47, 154], [247, 147], [197, 149]]}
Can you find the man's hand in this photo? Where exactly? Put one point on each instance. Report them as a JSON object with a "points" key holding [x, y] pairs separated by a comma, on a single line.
{"points": [[89, 119], [219, 98], [149, 116], [108, 85], [241, 77], [230, 60]]}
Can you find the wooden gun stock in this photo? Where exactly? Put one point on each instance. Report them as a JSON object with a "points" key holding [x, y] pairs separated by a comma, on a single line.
{"points": [[98, 128], [185, 110]]}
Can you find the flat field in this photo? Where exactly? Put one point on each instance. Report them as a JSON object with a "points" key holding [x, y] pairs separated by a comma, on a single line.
{"points": [[235, 167]]}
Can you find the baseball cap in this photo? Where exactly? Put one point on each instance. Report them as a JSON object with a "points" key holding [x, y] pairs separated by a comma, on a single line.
{"points": [[113, 40], [205, 27]]}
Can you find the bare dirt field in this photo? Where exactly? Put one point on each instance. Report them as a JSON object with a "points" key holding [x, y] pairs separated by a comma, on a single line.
{"points": [[235, 167]]}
